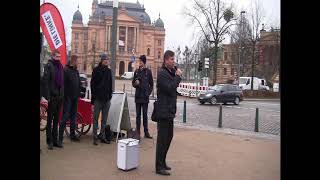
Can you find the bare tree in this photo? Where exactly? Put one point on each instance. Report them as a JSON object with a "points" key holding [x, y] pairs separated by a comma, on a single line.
{"points": [[178, 52], [214, 20], [187, 56], [255, 23]]}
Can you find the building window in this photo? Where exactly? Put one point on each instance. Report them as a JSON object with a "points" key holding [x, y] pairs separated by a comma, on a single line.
{"points": [[85, 36], [148, 52], [225, 56], [76, 36], [122, 38], [159, 54], [76, 47], [85, 66], [130, 43], [159, 42], [232, 71], [224, 71]]}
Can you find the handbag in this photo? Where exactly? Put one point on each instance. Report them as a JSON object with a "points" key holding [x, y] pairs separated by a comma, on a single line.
{"points": [[154, 112]]}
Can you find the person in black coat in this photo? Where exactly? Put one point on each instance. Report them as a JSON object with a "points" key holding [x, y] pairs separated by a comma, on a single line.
{"points": [[101, 94], [167, 82], [72, 86], [143, 82], [53, 92]]}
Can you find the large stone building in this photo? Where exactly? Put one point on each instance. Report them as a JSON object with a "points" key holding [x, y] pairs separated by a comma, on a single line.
{"points": [[136, 35], [267, 59], [227, 69]]}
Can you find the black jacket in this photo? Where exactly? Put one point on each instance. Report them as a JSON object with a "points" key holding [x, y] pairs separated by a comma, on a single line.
{"points": [[167, 83], [50, 89], [101, 84], [145, 87], [72, 83]]}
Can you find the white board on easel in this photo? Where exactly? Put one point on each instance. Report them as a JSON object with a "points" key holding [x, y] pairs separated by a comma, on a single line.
{"points": [[118, 116]]}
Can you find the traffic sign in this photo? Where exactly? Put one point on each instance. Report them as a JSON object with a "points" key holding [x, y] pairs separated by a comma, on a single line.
{"points": [[206, 63]]}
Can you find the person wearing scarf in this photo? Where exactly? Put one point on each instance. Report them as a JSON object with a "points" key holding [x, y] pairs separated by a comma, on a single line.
{"points": [[54, 87]]}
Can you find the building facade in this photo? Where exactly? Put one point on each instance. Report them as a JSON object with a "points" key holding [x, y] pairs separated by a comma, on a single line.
{"points": [[136, 35], [267, 58]]}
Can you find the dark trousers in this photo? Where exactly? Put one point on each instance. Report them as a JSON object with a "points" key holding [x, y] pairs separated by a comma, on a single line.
{"points": [[165, 135], [98, 107], [70, 106], [144, 107], [54, 107]]}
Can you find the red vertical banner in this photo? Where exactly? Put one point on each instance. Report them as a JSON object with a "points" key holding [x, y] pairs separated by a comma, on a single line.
{"points": [[53, 29]]}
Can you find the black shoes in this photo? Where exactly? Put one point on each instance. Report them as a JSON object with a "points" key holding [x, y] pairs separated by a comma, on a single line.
{"points": [[105, 141], [167, 168], [147, 135], [163, 172], [95, 140], [74, 139], [58, 144], [50, 146]]}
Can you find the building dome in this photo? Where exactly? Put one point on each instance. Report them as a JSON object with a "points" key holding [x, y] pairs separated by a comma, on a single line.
{"points": [[77, 17], [159, 23], [144, 17]]}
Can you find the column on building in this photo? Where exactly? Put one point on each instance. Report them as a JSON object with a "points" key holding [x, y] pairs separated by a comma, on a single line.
{"points": [[137, 40], [109, 39], [126, 42]]}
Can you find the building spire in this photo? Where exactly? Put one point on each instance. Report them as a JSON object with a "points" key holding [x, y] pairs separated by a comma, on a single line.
{"points": [[159, 15]]}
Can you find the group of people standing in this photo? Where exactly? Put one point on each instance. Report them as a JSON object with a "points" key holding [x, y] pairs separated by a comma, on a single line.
{"points": [[62, 86]]}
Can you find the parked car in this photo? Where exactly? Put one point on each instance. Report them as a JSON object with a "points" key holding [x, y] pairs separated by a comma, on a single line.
{"points": [[222, 93], [127, 75], [84, 84]]}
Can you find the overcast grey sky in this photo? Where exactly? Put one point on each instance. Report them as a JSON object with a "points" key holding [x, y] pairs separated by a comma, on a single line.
{"points": [[178, 31]]}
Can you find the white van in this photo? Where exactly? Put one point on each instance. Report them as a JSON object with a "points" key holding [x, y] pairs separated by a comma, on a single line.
{"points": [[258, 84], [127, 75]]}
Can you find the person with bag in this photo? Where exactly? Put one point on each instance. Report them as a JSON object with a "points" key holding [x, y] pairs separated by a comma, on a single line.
{"points": [[168, 80], [54, 92], [143, 82], [101, 94]]}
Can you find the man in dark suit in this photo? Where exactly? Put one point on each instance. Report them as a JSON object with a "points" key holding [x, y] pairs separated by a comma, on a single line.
{"points": [[168, 80]]}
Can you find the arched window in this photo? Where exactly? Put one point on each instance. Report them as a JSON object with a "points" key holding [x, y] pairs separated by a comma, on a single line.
{"points": [[148, 52], [159, 54], [224, 71], [130, 67], [121, 68]]}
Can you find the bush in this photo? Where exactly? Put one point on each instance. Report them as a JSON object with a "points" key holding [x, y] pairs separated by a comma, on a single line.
{"points": [[260, 94]]}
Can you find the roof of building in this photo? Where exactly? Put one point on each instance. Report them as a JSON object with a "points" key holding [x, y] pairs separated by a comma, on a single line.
{"points": [[77, 17], [135, 10], [159, 22]]}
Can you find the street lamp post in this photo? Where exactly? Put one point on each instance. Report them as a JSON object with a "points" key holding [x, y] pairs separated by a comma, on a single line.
{"points": [[197, 72], [114, 41], [241, 40]]}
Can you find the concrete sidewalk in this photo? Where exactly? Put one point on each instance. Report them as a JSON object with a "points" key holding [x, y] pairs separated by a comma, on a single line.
{"points": [[194, 154]]}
